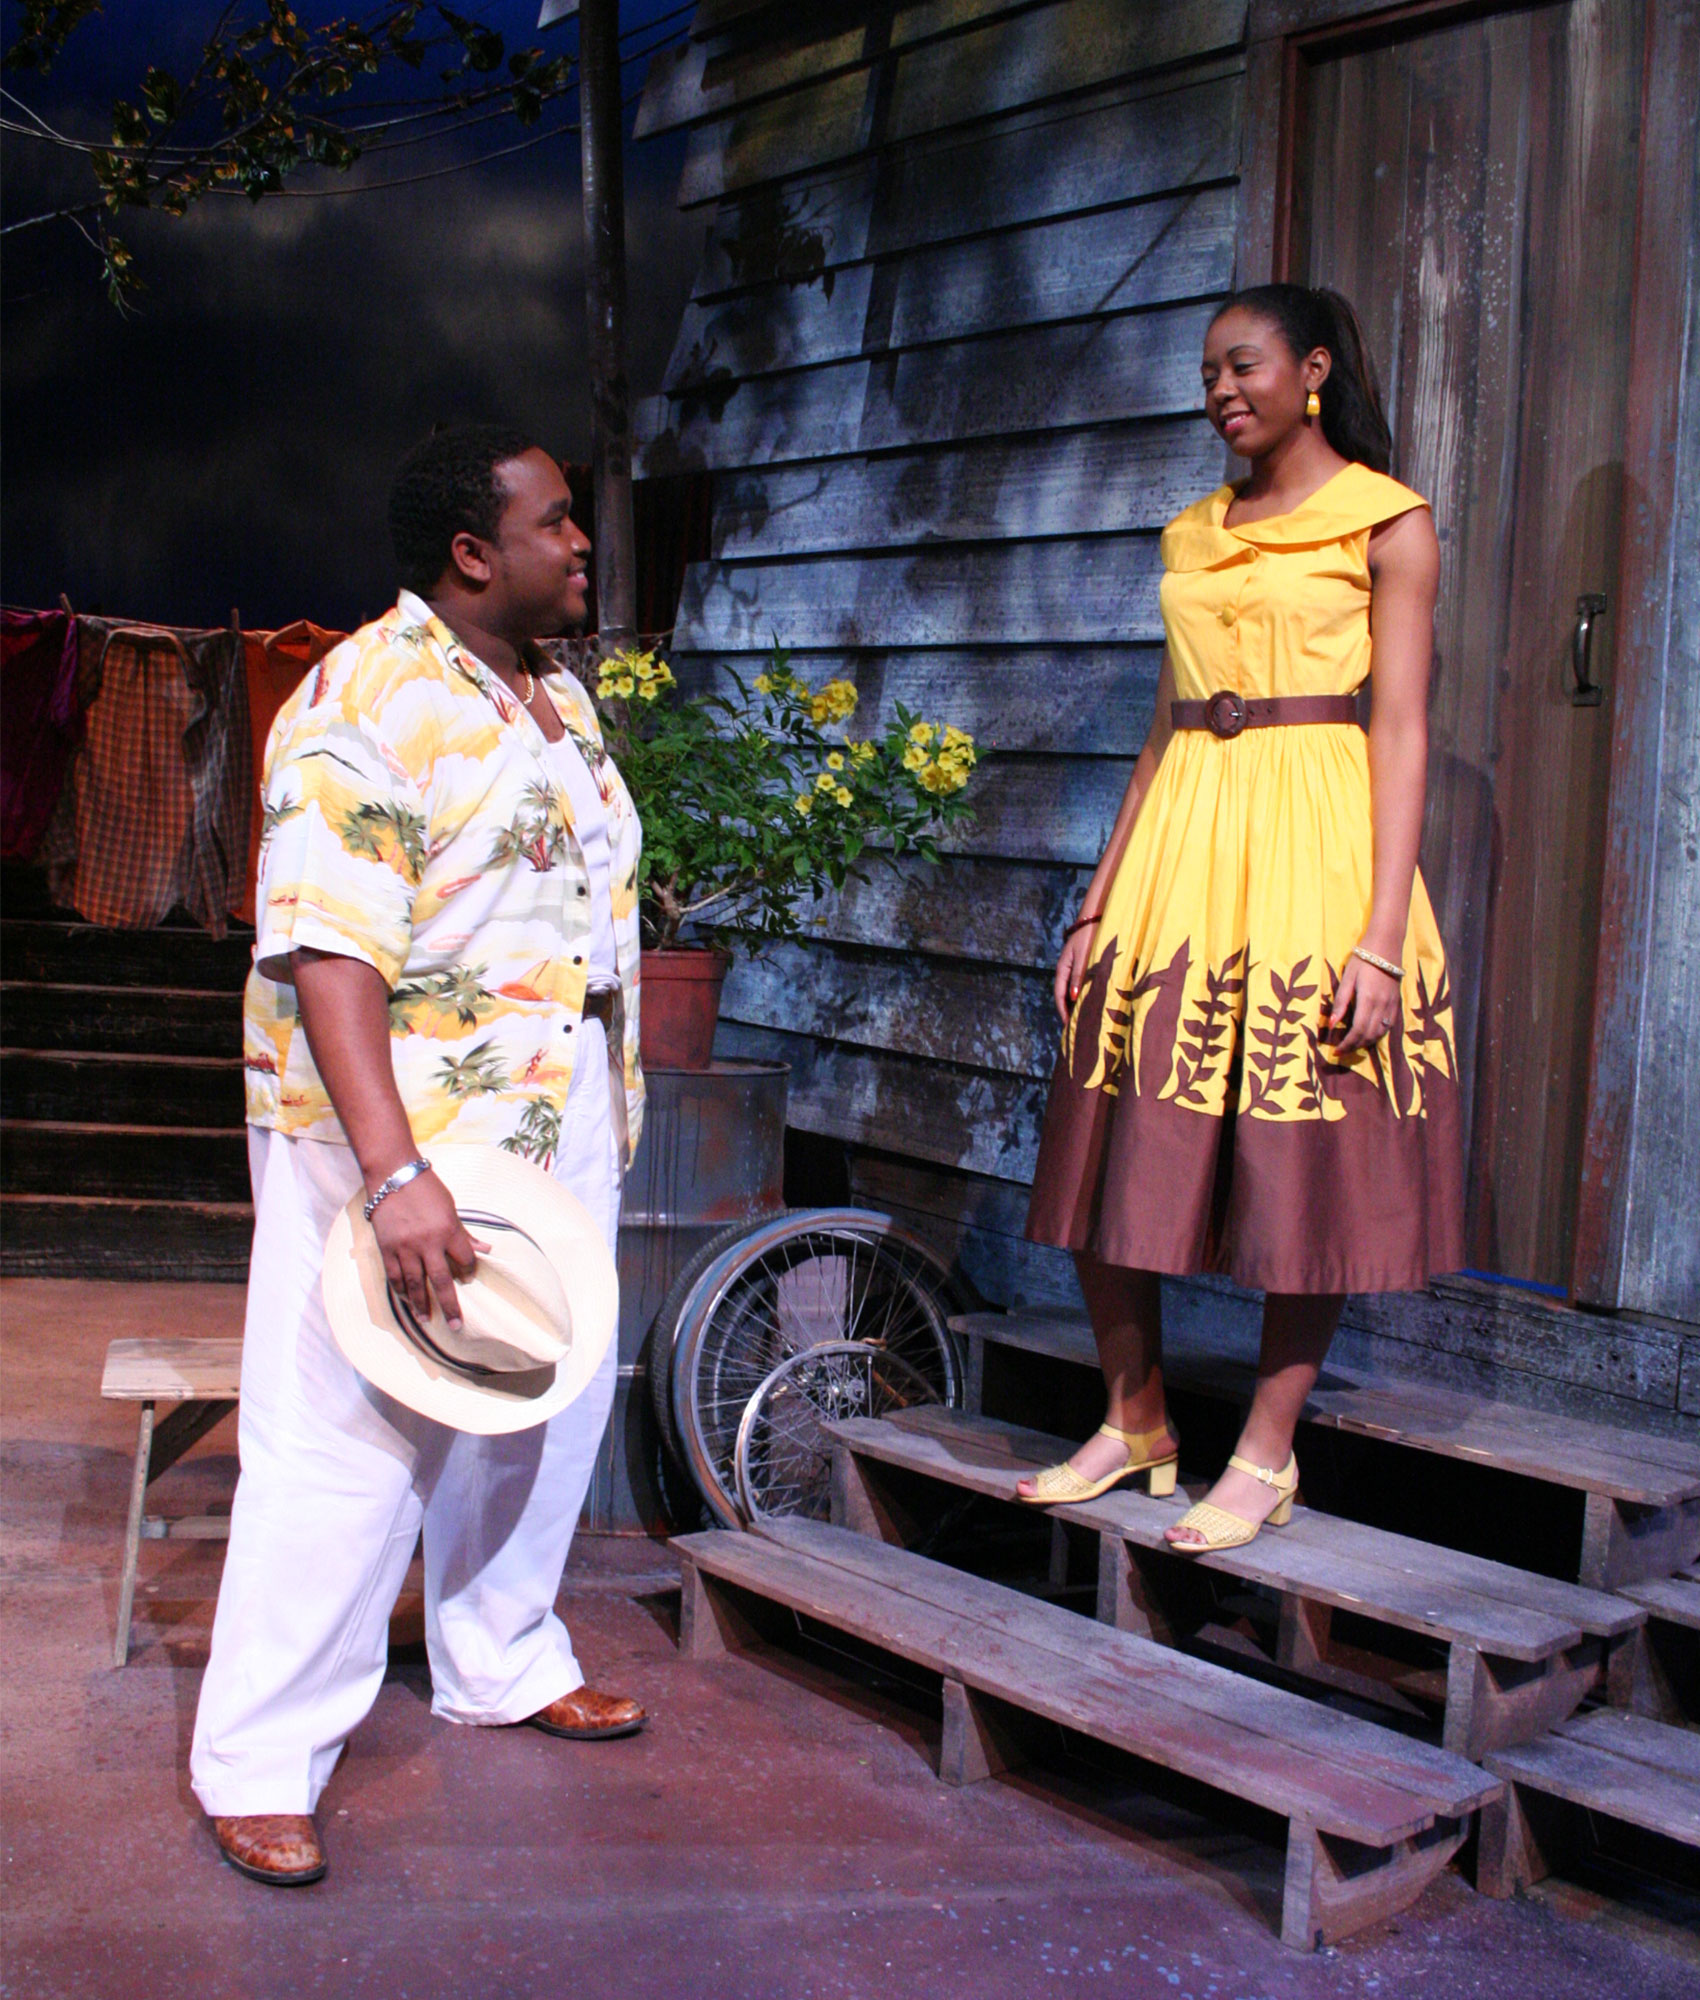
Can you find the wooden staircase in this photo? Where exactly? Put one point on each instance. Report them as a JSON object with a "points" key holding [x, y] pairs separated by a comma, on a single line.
{"points": [[1534, 1707], [122, 1147]]}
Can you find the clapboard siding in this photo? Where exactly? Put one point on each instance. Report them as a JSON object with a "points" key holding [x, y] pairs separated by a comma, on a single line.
{"points": [[974, 1119], [1002, 912], [1021, 593], [974, 1016], [1134, 140], [1080, 701], [942, 356], [1172, 247], [1045, 53], [1117, 480], [1136, 364]]}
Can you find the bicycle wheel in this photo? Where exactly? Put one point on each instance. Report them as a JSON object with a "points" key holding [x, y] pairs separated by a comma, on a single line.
{"points": [[782, 1462], [795, 1283], [664, 1330]]}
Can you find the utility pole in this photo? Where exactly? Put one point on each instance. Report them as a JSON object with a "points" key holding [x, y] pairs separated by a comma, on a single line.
{"points": [[601, 138]]}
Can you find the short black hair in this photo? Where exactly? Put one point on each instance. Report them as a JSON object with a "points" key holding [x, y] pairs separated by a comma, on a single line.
{"points": [[445, 487]]}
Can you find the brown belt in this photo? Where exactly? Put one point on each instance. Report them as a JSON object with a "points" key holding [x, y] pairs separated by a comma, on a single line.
{"points": [[1227, 713]]}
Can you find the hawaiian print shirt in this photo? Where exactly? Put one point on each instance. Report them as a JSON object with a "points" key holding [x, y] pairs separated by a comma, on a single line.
{"points": [[411, 821]]}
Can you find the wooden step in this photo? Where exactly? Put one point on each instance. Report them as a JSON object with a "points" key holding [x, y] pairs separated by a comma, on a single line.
{"points": [[1642, 1773], [49, 1236], [204, 1091], [1641, 1491], [1514, 1653], [138, 1020], [73, 954], [137, 1162], [1665, 1663], [1352, 1794]]}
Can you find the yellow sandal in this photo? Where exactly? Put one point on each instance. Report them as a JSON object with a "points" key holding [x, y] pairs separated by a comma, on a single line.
{"points": [[1061, 1483], [1222, 1530]]}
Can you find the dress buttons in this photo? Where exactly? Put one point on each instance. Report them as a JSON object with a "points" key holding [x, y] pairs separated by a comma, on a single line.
{"points": [[584, 891], [578, 961], [1228, 614]]}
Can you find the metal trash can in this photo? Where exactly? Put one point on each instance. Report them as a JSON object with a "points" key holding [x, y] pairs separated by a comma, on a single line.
{"points": [[712, 1153]]}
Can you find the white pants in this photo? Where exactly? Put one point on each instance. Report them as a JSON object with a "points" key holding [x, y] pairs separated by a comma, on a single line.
{"points": [[337, 1482]]}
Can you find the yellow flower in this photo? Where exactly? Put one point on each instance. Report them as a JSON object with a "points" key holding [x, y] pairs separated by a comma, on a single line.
{"points": [[841, 697], [649, 690], [914, 758], [921, 732], [842, 795], [623, 685], [803, 804], [824, 783], [936, 778], [862, 753], [835, 760], [764, 684], [957, 746]]}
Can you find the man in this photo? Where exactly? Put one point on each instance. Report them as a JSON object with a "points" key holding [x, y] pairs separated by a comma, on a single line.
{"points": [[447, 950]]}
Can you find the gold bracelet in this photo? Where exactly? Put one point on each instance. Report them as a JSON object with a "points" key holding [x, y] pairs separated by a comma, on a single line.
{"points": [[1381, 964]]}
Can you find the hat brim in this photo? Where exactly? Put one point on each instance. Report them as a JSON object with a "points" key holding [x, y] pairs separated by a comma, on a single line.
{"points": [[357, 1303]]}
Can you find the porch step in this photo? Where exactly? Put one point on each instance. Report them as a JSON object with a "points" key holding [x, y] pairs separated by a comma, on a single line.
{"points": [[71, 1236], [1372, 1817], [1641, 1491], [57, 953], [135, 1162], [1508, 1654], [1665, 1667], [179, 1021], [73, 1085], [1640, 1773]]}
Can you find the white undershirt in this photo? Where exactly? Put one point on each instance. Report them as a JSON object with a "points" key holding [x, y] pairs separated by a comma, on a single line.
{"points": [[590, 824]]}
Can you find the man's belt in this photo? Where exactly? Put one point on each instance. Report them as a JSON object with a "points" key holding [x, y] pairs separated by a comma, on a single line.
{"points": [[1226, 713]]}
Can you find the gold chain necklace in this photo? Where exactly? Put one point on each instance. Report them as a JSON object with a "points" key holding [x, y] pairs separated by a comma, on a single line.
{"points": [[530, 685]]}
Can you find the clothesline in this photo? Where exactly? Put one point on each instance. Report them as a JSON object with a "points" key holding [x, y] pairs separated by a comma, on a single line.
{"points": [[130, 757]]}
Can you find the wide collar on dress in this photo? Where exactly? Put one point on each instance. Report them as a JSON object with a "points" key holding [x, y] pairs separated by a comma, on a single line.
{"points": [[1354, 499]]}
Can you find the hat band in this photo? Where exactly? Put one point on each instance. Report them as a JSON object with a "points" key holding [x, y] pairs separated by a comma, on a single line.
{"points": [[410, 1324]]}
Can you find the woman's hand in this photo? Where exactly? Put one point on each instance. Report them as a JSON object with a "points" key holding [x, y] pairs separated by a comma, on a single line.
{"points": [[1365, 1006], [1071, 966]]}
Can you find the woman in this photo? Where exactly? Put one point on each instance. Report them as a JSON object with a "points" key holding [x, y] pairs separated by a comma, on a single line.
{"points": [[1257, 1068]]}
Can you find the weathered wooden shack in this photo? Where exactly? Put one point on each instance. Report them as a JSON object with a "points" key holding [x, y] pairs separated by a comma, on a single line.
{"points": [[942, 361]]}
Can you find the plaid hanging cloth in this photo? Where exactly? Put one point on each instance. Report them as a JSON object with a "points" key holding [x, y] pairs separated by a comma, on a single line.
{"points": [[150, 799]]}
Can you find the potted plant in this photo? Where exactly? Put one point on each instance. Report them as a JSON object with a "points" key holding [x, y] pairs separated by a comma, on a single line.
{"points": [[754, 801]]}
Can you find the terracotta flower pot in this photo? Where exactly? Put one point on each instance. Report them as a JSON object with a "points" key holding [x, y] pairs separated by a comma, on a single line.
{"points": [[681, 1003]]}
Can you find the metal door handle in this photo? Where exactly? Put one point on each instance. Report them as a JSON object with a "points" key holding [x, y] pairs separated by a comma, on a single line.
{"points": [[1587, 693]]}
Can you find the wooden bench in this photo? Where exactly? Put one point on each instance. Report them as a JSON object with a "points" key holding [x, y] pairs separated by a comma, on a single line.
{"points": [[1518, 1652], [1641, 1492], [200, 1379], [1622, 1767], [1371, 1816], [1664, 1667]]}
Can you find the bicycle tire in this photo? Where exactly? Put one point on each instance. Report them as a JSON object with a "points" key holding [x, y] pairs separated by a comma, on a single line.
{"points": [[733, 1331]]}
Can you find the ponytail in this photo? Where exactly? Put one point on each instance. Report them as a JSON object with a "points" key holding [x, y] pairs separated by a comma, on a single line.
{"points": [[1352, 419]]}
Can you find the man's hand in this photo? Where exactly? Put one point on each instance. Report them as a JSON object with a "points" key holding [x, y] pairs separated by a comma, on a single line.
{"points": [[345, 1009], [425, 1245]]}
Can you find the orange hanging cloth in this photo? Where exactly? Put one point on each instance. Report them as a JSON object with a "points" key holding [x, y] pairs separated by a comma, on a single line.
{"points": [[275, 663]]}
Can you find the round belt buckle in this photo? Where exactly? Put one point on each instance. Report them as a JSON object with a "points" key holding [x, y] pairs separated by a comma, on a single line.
{"points": [[1225, 712]]}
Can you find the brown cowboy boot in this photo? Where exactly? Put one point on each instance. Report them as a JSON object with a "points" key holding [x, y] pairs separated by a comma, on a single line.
{"points": [[282, 1848]]}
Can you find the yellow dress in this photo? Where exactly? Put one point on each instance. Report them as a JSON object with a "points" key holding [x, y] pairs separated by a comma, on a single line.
{"points": [[1197, 1120]]}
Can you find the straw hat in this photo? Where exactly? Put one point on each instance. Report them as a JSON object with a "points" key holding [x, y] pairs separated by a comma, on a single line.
{"points": [[538, 1311]]}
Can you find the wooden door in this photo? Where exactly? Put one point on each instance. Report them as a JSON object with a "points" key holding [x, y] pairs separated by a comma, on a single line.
{"points": [[1472, 189]]}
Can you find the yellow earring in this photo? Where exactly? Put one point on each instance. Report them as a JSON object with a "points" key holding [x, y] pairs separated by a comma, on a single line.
{"points": [[1313, 405]]}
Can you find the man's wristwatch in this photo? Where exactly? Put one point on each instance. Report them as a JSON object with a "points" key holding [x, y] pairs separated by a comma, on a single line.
{"points": [[399, 1179]]}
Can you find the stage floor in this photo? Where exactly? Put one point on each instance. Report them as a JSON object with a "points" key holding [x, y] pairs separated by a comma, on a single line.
{"points": [[776, 1834]]}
